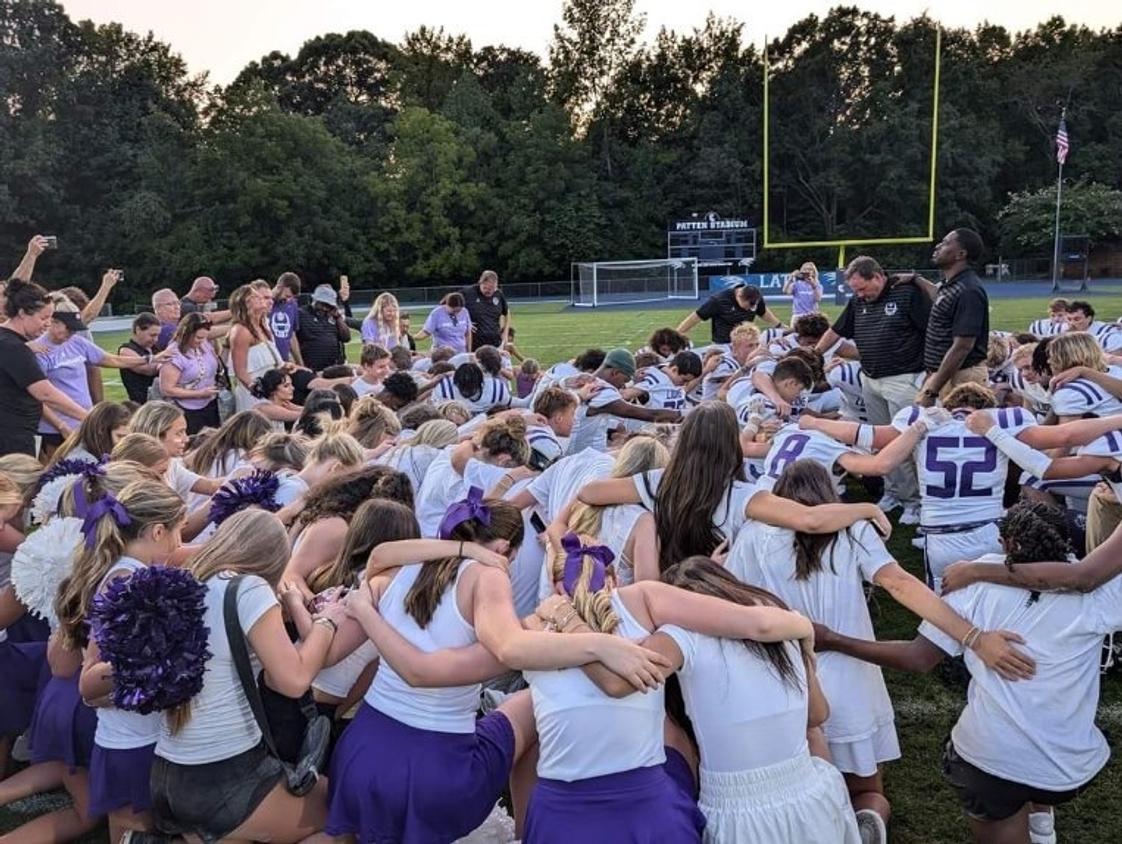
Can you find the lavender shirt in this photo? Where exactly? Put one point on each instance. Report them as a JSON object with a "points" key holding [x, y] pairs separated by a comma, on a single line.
{"points": [[445, 332], [802, 298], [64, 365], [284, 320], [196, 372], [372, 332]]}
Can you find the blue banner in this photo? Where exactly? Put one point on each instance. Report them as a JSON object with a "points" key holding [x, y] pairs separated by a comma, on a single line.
{"points": [[771, 282]]}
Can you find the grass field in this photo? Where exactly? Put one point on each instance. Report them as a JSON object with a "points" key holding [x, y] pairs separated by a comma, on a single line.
{"points": [[924, 810]]}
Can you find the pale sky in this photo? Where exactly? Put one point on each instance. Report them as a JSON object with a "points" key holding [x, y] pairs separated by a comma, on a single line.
{"points": [[222, 36]]}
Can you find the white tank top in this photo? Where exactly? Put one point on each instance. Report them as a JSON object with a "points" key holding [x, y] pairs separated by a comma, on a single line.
{"points": [[337, 680], [445, 710], [616, 525], [583, 733], [116, 728]]}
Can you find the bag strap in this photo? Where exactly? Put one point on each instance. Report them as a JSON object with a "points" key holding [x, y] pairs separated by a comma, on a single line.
{"points": [[240, 653]]}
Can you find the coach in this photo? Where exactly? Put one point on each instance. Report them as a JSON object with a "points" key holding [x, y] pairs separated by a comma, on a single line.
{"points": [[959, 330], [487, 307], [888, 323], [728, 309]]}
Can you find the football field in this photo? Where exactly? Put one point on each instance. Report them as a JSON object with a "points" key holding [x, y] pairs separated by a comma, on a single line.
{"points": [[924, 809]]}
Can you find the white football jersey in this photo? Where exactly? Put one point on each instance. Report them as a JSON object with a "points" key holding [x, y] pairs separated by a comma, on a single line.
{"points": [[664, 394], [1108, 445], [726, 367], [962, 475], [1047, 327], [790, 444], [847, 378], [1080, 397]]}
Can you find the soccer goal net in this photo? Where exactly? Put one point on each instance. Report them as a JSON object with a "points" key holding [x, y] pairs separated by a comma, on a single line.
{"points": [[624, 282]]}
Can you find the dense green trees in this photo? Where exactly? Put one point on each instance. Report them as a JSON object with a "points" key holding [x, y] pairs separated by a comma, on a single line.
{"points": [[423, 161]]}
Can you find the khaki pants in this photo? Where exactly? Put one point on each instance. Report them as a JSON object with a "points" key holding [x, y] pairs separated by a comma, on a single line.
{"points": [[977, 374], [1104, 514], [884, 398]]}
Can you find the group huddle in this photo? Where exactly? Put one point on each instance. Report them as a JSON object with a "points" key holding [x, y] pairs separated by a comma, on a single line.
{"points": [[465, 595]]}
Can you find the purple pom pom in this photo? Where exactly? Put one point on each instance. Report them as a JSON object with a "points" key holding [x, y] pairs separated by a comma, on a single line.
{"points": [[149, 627], [72, 466], [257, 490]]}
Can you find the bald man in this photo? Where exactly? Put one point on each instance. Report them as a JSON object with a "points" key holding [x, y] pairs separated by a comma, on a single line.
{"points": [[200, 297]]}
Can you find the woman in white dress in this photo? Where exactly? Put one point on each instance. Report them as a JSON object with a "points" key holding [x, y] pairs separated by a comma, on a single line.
{"points": [[252, 351]]}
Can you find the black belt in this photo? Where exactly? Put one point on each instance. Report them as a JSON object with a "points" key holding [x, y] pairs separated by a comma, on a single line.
{"points": [[963, 528]]}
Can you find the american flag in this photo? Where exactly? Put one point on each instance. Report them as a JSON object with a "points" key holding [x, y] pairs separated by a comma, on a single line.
{"points": [[1062, 145]]}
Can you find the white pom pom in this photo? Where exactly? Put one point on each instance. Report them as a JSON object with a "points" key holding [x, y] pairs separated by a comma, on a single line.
{"points": [[497, 829], [42, 562], [45, 506]]}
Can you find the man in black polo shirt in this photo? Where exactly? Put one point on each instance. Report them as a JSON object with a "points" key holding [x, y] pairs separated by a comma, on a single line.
{"points": [[322, 330], [487, 307], [888, 324], [959, 331], [728, 309]]}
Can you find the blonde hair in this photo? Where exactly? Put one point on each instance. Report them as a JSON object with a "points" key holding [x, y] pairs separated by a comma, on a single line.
{"points": [[810, 268], [24, 471], [371, 422], [155, 418], [148, 503], [505, 435], [436, 432], [375, 315], [454, 411], [9, 492], [139, 448], [336, 445], [997, 351], [639, 454], [1021, 353], [594, 608], [1075, 348], [744, 331], [278, 451], [250, 542]]}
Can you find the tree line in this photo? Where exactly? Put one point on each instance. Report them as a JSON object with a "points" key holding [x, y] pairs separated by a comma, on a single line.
{"points": [[421, 162]]}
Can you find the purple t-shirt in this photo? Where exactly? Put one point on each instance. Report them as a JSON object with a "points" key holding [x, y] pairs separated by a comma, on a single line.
{"points": [[64, 365], [448, 330], [284, 320], [802, 298], [196, 372], [167, 331], [372, 332]]}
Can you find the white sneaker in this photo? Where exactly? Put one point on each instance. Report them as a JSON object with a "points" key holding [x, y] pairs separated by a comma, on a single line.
{"points": [[1042, 828], [888, 502], [910, 516], [871, 827]]}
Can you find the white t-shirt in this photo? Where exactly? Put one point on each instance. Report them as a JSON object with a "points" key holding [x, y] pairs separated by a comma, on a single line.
{"points": [[442, 485], [592, 431], [221, 723], [180, 478], [413, 461], [765, 555], [560, 483], [289, 487], [729, 516], [362, 387], [1039, 732], [744, 714]]}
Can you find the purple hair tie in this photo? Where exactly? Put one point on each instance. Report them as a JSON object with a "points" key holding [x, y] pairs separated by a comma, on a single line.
{"points": [[471, 507], [91, 514], [575, 553]]}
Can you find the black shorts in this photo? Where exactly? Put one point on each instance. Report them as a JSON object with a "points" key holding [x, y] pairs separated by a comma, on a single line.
{"points": [[212, 800], [985, 797]]}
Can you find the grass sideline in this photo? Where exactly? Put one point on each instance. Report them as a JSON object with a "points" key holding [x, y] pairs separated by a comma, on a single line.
{"points": [[924, 809]]}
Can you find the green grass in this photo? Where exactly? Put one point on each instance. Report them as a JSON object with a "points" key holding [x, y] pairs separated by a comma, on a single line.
{"points": [[924, 810]]}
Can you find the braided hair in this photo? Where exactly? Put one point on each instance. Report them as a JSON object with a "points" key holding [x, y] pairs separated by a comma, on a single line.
{"points": [[1034, 532]]}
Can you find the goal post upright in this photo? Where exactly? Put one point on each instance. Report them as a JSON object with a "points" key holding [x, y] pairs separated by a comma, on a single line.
{"points": [[842, 244]]}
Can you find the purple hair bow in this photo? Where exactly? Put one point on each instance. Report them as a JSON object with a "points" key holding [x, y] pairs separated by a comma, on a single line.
{"points": [[575, 553], [91, 514], [471, 507]]}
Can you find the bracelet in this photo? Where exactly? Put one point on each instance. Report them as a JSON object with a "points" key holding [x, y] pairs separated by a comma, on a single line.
{"points": [[560, 625], [324, 620], [970, 638]]}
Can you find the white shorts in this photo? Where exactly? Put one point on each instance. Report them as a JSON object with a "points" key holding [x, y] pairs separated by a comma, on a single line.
{"points": [[942, 549], [802, 801]]}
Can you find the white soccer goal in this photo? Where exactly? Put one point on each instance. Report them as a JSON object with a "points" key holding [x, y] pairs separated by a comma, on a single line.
{"points": [[626, 282]]}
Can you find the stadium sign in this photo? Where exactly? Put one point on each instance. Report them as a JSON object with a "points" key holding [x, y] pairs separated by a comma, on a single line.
{"points": [[769, 282], [710, 222]]}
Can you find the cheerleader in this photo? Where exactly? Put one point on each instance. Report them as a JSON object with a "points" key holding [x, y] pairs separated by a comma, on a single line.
{"points": [[228, 448], [124, 533], [95, 435], [822, 575], [166, 422], [1018, 749], [213, 777], [416, 741], [417, 454]]}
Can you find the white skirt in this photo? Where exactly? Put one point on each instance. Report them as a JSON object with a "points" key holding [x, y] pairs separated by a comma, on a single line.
{"points": [[799, 801], [862, 756]]}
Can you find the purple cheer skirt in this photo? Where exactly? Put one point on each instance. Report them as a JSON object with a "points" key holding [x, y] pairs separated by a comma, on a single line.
{"points": [[28, 628], [393, 782], [23, 671], [119, 779], [645, 806], [62, 728]]}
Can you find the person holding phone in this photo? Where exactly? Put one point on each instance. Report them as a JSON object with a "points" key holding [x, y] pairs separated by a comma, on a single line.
{"points": [[804, 289]]}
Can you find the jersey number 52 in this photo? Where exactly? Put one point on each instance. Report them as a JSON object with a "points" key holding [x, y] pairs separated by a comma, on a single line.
{"points": [[958, 474]]}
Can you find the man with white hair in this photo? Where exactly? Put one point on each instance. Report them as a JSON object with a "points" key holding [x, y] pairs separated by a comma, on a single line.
{"points": [[166, 307]]}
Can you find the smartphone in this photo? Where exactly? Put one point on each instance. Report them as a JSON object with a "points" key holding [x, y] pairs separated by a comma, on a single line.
{"points": [[52, 241], [537, 522]]}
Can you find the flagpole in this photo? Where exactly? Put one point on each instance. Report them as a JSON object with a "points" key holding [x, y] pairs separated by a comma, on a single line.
{"points": [[1056, 239]]}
